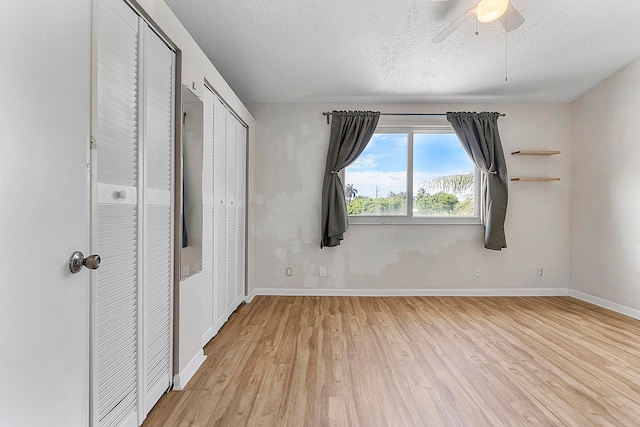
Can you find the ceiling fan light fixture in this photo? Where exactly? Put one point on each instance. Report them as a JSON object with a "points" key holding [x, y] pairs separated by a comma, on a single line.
{"points": [[490, 10]]}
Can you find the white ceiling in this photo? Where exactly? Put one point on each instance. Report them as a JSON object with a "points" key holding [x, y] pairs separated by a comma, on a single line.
{"points": [[381, 50]]}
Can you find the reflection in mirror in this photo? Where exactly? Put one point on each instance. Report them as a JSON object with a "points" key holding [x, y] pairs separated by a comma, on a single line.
{"points": [[192, 145]]}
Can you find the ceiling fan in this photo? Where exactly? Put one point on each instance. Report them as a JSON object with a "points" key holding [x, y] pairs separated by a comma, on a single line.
{"points": [[486, 11]]}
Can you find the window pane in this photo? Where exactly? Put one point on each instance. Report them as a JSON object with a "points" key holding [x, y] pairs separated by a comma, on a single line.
{"points": [[375, 184], [443, 176]]}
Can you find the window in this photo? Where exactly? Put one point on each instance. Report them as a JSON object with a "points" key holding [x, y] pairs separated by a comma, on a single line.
{"points": [[413, 175]]}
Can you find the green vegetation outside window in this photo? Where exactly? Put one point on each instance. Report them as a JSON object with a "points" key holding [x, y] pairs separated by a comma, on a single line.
{"points": [[413, 175]]}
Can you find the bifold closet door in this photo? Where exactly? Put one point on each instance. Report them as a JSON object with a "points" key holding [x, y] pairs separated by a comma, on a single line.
{"points": [[241, 191], [132, 168], [236, 194], [223, 286], [231, 141], [115, 299], [158, 137], [208, 296], [219, 214]]}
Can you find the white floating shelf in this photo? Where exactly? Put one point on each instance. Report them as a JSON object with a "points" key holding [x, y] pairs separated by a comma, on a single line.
{"points": [[535, 152], [535, 179]]}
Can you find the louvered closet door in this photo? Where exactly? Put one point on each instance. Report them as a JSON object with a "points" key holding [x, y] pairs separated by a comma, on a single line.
{"points": [[207, 221], [232, 216], [158, 221], [115, 310], [241, 186], [219, 215], [132, 298]]}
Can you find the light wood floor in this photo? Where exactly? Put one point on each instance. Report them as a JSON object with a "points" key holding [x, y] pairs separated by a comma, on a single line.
{"points": [[414, 361]]}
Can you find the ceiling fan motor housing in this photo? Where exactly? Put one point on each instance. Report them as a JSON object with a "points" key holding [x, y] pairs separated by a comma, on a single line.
{"points": [[490, 10]]}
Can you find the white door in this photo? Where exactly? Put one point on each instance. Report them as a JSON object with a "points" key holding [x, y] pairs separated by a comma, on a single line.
{"points": [[225, 152], [158, 139], [133, 292], [207, 294], [241, 191], [44, 200], [219, 215], [231, 141], [115, 376]]}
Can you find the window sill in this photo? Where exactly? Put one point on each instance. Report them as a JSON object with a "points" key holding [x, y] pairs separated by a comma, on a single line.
{"points": [[390, 220]]}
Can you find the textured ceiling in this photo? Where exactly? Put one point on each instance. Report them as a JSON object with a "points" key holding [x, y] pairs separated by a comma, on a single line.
{"points": [[381, 50]]}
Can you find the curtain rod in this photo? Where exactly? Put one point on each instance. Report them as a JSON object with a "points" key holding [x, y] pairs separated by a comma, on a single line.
{"points": [[327, 113]]}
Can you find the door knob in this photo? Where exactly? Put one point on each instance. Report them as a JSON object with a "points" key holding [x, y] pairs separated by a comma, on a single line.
{"points": [[77, 261]]}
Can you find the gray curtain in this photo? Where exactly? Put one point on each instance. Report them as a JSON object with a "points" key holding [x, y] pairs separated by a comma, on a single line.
{"points": [[350, 134], [478, 133]]}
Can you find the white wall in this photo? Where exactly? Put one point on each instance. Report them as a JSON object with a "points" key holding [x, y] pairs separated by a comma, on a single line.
{"points": [[292, 145], [196, 68], [188, 349], [605, 236]]}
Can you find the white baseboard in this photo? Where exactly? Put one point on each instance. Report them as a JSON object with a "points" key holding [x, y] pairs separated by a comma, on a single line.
{"points": [[609, 305], [408, 292], [180, 380], [600, 302], [250, 297]]}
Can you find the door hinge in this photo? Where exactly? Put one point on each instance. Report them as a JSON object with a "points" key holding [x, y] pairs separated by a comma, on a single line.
{"points": [[92, 142]]}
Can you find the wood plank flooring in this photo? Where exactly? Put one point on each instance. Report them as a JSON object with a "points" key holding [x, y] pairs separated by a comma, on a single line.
{"points": [[414, 361]]}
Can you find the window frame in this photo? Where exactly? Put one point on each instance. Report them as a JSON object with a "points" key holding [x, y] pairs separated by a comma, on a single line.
{"points": [[409, 218]]}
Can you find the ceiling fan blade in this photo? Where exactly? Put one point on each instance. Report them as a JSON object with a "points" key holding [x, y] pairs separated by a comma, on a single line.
{"points": [[511, 19], [455, 24]]}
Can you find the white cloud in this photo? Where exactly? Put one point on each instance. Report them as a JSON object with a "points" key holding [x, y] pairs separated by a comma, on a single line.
{"points": [[367, 183], [365, 162]]}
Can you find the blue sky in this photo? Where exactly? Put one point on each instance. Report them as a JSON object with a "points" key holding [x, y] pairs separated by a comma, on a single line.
{"points": [[382, 166]]}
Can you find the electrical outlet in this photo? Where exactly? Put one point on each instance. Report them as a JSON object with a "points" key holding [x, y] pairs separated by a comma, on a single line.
{"points": [[288, 271], [323, 271], [539, 272], [476, 272]]}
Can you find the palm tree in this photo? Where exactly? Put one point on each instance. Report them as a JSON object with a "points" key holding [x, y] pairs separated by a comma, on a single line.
{"points": [[453, 184], [350, 192]]}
